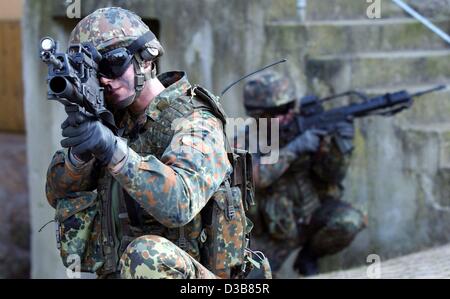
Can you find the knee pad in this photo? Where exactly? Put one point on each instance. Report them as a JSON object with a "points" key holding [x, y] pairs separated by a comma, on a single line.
{"points": [[343, 224]]}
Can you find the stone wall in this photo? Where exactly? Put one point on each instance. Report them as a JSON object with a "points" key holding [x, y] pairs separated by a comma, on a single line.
{"points": [[432, 8], [14, 214]]}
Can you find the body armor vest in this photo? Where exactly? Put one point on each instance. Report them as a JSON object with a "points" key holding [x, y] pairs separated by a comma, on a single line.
{"points": [[289, 203]]}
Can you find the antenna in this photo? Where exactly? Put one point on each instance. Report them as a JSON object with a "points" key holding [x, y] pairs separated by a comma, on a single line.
{"points": [[251, 74]]}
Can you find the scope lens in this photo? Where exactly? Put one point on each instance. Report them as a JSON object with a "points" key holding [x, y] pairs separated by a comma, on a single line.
{"points": [[47, 44]]}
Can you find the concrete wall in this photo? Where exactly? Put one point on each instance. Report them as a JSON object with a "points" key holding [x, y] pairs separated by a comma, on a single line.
{"points": [[395, 172], [43, 120]]}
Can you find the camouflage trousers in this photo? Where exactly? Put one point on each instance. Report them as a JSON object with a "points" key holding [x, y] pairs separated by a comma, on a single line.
{"points": [[153, 256], [332, 227]]}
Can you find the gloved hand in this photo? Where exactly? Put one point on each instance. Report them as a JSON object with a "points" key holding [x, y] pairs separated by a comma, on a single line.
{"points": [[308, 142], [88, 136], [345, 129], [345, 133]]}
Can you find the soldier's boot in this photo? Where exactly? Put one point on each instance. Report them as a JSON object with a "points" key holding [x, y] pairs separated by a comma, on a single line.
{"points": [[336, 224], [306, 262], [156, 257]]}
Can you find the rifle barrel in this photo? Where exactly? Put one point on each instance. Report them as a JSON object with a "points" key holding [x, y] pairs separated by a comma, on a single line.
{"points": [[436, 88], [60, 87], [49, 58]]}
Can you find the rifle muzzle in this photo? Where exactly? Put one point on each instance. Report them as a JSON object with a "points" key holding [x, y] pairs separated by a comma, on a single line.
{"points": [[60, 87]]}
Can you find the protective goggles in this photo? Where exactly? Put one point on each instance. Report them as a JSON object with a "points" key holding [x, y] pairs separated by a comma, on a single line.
{"points": [[115, 62], [273, 111]]}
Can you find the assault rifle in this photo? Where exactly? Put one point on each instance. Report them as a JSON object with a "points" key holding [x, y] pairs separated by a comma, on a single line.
{"points": [[313, 115], [73, 81]]}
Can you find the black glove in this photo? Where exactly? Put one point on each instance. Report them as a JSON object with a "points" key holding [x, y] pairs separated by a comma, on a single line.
{"points": [[345, 129], [308, 142], [344, 136], [88, 136]]}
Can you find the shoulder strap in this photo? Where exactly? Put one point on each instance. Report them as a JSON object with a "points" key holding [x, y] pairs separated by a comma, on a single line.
{"points": [[202, 98], [240, 160]]}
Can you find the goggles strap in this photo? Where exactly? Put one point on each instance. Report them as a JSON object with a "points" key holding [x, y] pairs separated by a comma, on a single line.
{"points": [[140, 42], [139, 80], [140, 76], [152, 73]]}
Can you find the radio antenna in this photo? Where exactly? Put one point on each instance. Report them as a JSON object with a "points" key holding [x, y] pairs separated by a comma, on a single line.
{"points": [[251, 74]]}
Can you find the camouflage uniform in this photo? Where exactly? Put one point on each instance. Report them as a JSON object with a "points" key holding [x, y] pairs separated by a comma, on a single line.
{"points": [[299, 197], [172, 186], [142, 218]]}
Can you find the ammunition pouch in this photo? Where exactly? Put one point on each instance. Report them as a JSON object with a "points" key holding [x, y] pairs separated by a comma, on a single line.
{"points": [[226, 229], [78, 232]]}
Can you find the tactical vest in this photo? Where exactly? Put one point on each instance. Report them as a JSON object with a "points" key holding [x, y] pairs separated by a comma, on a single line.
{"points": [[218, 236], [288, 204]]}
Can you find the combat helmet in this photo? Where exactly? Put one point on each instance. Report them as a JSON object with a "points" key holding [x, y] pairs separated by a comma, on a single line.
{"points": [[122, 38], [269, 91]]}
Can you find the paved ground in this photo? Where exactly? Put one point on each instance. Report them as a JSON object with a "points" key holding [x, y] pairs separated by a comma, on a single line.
{"points": [[432, 263]]}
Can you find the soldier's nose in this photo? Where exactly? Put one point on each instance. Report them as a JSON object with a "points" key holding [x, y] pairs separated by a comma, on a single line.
{"points": [[105, 81]]}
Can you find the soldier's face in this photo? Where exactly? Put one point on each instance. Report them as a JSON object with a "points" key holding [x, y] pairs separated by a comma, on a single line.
{"points": [[286, 118], [119, 89]]}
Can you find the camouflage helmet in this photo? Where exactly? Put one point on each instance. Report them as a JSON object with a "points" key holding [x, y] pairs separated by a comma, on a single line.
{"points": [[268, 90], [109, 28], [114, 27]]}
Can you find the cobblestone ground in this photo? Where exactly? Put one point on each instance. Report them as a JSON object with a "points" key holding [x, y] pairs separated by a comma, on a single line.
{"points": [[427, 264], [432, 263]]}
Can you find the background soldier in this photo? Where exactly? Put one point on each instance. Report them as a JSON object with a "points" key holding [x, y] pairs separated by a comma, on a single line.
{"points": [[144, 219], [299, 197]]}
